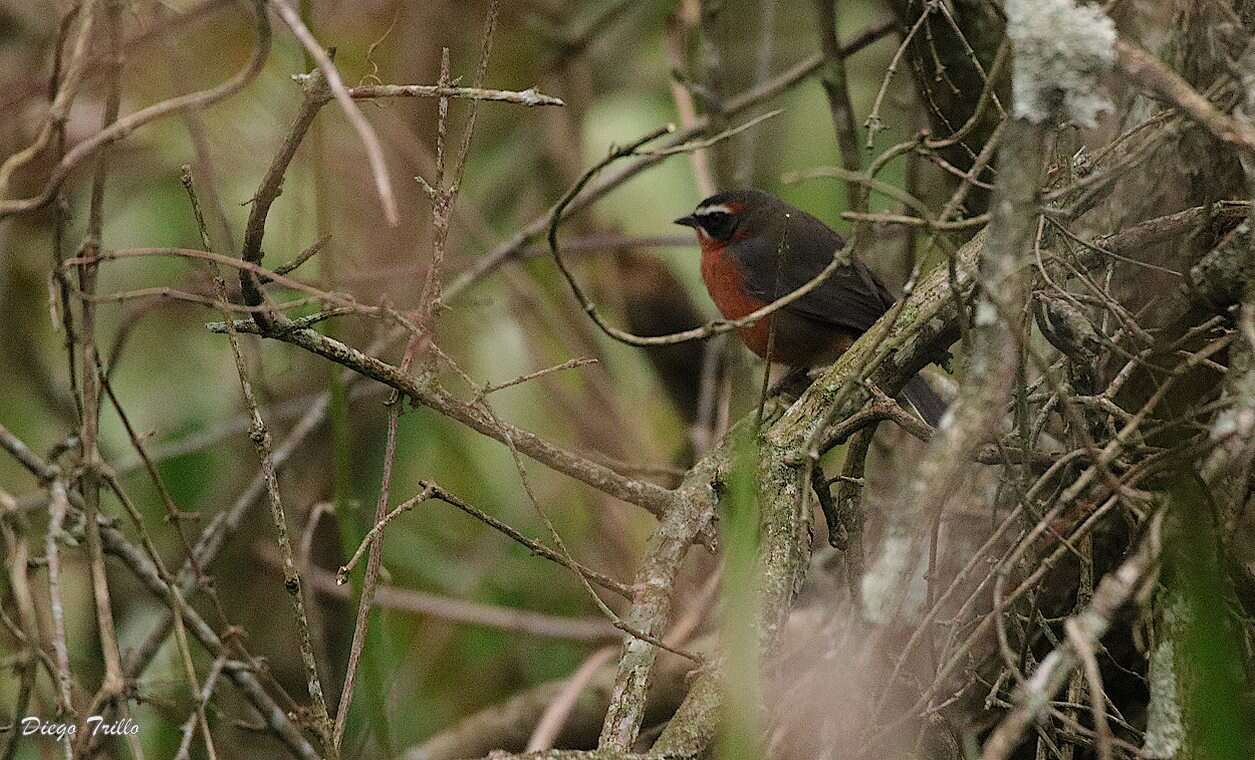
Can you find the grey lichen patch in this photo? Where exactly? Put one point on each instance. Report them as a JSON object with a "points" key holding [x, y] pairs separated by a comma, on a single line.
{"points": [[1165, 730], [895, 580], [1061, 50]]}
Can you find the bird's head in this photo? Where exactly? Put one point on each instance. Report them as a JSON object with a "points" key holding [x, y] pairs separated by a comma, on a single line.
{"points": [[731, 216]]}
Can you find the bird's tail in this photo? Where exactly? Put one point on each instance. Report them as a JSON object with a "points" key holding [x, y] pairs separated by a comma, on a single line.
{"points": [[924, 399]]}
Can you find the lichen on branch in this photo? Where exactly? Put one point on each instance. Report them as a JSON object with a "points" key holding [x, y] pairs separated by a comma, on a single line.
{"points": [[1061, 51]]}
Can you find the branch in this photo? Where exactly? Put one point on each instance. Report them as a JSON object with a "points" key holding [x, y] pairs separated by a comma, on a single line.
{"points": [[276, 718], [655, 585], [653, 498], [531, 97], [502, 618], [1089, 625], [434, 491], [842, 109], [331, 75], [1147, 71], [125, 126]]}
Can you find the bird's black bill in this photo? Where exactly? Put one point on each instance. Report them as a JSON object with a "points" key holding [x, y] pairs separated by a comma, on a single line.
{"points": [[687, 221]]}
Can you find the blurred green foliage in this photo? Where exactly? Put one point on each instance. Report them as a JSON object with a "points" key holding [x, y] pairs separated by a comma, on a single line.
{"points": [[1214, 675]]}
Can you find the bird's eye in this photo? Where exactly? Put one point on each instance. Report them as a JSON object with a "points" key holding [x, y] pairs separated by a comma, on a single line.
{"points": [[718, 224]]}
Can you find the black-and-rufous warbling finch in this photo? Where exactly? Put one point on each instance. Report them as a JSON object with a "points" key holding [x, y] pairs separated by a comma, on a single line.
{"points": [[756, 248]]}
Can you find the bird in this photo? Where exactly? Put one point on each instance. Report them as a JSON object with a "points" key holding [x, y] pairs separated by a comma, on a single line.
{"points": [[756, 249]]}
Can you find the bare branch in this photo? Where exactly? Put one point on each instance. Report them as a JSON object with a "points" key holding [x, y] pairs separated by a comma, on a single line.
{"points": [[124, 126], [1113, 592], [331, 75]]}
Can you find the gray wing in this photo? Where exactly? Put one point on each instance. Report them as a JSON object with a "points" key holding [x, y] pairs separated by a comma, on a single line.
{"points": [[852, 297]]}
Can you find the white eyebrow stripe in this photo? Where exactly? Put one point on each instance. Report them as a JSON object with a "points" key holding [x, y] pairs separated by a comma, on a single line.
{"points": [[716, 209]]}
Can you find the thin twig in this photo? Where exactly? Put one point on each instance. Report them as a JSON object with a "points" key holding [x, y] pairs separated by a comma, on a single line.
{"points": [[1113, 592], [569, 364], [374, 152], [1144, 69], [66, 90], [530, 97], [242, 675], [442, 196], [128, 124], [113, 685], [653, 498], [414, 602], [206, 693], [260, 436], [372, 537], [555, 716], [441, 494], [836, 89]]}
